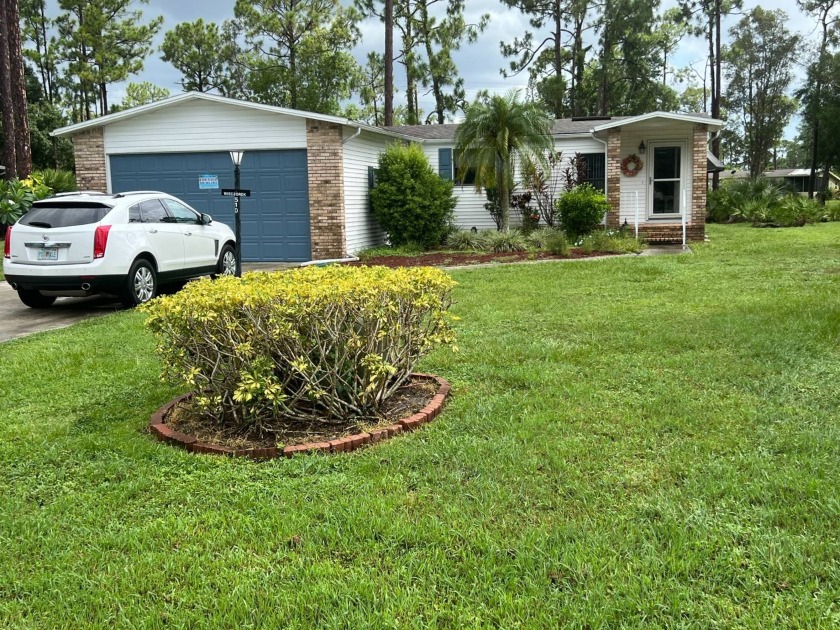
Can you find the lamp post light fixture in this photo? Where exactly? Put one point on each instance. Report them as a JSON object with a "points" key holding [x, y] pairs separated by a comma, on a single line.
{"points": [[642, 148], [236, 157]]}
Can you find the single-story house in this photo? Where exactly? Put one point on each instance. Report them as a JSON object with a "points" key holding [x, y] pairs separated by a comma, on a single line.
{"points": [[795, 178], [309, 174]]}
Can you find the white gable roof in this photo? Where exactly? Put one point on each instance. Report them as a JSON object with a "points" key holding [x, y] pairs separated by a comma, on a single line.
{"points": [[184, 97], [700, 119]]}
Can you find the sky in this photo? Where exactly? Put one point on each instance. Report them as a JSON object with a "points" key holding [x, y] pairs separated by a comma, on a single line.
{"points": [[479, 63]]}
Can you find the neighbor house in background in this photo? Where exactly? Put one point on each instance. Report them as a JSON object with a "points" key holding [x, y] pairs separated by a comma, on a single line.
{"points": [[309, 174], [795, 178]]}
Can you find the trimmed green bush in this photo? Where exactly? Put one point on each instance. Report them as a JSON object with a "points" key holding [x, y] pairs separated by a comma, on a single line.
{"points": [[411, 202], [409, 249], [582, 209], [309, 346]]}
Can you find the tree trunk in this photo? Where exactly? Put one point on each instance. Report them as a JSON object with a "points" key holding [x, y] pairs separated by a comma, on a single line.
{"points": [[558, 60], [504, 194], [437, 91], [47, 61], [9, 154], [825, 175], [716, 90], [389, 63], [293, 77], [23, 152]]}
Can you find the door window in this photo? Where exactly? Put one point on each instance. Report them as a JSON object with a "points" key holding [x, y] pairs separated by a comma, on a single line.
{"points": [[667, 162], [181, 213], [152, 211]]}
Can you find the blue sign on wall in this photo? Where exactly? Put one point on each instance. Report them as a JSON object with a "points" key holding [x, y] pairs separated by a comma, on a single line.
{"points": [[208, 182]]}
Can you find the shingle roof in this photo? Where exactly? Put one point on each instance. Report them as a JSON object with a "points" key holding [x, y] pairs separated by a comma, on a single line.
{"points": [[561, 126]]}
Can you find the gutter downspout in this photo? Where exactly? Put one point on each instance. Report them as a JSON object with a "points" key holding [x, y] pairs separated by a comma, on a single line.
{"points": [[606, 179], [355, 135]]}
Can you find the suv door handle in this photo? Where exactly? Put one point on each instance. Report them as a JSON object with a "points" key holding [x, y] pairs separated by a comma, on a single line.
{"points": [[187, 233], [153, 231]]}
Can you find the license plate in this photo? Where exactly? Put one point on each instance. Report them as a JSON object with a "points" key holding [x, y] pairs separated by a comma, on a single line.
{"points": [[47, 254]]}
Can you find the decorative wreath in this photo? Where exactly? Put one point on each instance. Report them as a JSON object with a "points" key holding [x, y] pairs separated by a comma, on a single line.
{"points": [[631, 165]]}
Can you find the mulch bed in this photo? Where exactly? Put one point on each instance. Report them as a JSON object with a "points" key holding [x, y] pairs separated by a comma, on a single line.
{"points": [[418, 401], [456, 259]]}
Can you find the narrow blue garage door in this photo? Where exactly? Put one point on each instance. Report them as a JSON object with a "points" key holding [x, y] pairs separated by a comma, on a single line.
{"points": [[275, 218]]}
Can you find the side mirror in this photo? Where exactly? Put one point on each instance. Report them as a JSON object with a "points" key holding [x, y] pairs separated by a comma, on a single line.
{"points": [[206, 219]]}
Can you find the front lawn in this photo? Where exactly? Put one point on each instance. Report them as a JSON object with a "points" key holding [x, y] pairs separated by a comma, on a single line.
{"points": [[637, 442]]}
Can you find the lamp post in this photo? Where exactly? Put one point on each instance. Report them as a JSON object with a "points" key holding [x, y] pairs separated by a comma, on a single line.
{"points": [[236, 156]]}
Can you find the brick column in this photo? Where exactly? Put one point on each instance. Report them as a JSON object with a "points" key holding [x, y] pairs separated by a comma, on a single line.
{"points": [[614, 177], [325, 156], [89, 150], [697, 218]]}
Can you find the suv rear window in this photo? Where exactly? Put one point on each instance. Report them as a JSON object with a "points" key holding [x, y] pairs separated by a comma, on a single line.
{"points": [[65, 214]]}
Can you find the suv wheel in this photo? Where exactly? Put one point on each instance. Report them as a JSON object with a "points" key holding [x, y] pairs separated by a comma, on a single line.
{"points": [[227, 262], [141, 284], [35, 299]]}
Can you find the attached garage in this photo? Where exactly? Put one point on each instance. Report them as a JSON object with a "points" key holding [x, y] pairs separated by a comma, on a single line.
{"points": [[307, 172], [275, 219]]}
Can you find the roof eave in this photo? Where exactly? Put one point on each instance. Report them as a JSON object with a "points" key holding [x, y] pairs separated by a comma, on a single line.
{"points": [[70, 130], [700, 120]]}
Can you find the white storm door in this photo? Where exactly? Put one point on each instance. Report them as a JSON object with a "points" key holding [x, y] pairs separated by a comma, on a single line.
{"points": [[666, 179]]}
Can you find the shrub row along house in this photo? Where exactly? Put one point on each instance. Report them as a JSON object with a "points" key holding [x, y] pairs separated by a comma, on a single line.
{"points": [[309, 174]]}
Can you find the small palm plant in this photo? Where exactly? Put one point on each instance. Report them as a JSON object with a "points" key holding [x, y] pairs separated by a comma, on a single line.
{"points": [[498, 132]]}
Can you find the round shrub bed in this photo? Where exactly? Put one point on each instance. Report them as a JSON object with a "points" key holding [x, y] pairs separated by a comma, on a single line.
{"points": [[165, 433], [270, 357]]}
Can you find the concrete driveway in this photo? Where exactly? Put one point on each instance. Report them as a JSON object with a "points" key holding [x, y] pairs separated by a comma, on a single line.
{"points": [[17, 320]]}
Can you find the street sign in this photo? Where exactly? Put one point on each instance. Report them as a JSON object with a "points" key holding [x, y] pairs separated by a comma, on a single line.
{"points": [[232, 192]]}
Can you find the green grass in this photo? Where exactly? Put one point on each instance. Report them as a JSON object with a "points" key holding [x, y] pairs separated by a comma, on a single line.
{"points": [[639, 442]]}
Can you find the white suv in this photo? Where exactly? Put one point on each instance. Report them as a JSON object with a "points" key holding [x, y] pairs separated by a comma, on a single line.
{"points": [[123, 245]]}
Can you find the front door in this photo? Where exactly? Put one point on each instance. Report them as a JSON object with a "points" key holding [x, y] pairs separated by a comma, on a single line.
{"points": [[666, 180]]}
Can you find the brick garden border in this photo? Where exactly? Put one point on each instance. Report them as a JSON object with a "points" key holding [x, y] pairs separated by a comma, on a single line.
{"points": [[157, 425]]}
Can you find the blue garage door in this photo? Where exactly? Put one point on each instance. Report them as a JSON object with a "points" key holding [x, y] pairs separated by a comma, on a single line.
{"points": [[275, 218]]}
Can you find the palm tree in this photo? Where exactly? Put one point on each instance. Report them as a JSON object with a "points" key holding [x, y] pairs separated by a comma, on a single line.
{"points": [[498, 132]]}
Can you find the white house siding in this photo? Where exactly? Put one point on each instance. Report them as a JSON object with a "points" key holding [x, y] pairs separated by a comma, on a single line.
{"points": [[470, 211], [195, 126], [361, 152], [570, 145], [631, 187]]}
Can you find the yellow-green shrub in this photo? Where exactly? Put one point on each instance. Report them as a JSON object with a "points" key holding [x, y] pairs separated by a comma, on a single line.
{"points": [[305, 346]]}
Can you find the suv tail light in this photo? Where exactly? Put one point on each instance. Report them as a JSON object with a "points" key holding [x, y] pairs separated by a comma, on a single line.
{"points": [[100, 241], [7, 245]]}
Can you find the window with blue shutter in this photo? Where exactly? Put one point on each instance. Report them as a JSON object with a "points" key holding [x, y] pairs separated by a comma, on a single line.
{"points": [[445, 163]]}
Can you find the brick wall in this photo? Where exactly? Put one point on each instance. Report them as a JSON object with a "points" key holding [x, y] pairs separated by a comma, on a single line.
{"points": [[614, 176], [325, 155], [89, 149], [669, 232], [699, 156]]}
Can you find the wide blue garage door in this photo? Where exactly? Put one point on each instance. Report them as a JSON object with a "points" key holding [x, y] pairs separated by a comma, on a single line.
{"points": [[275, 218]]}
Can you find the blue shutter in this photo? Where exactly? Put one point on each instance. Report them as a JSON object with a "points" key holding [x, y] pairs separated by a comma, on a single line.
{"points": [[445, 163]]}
